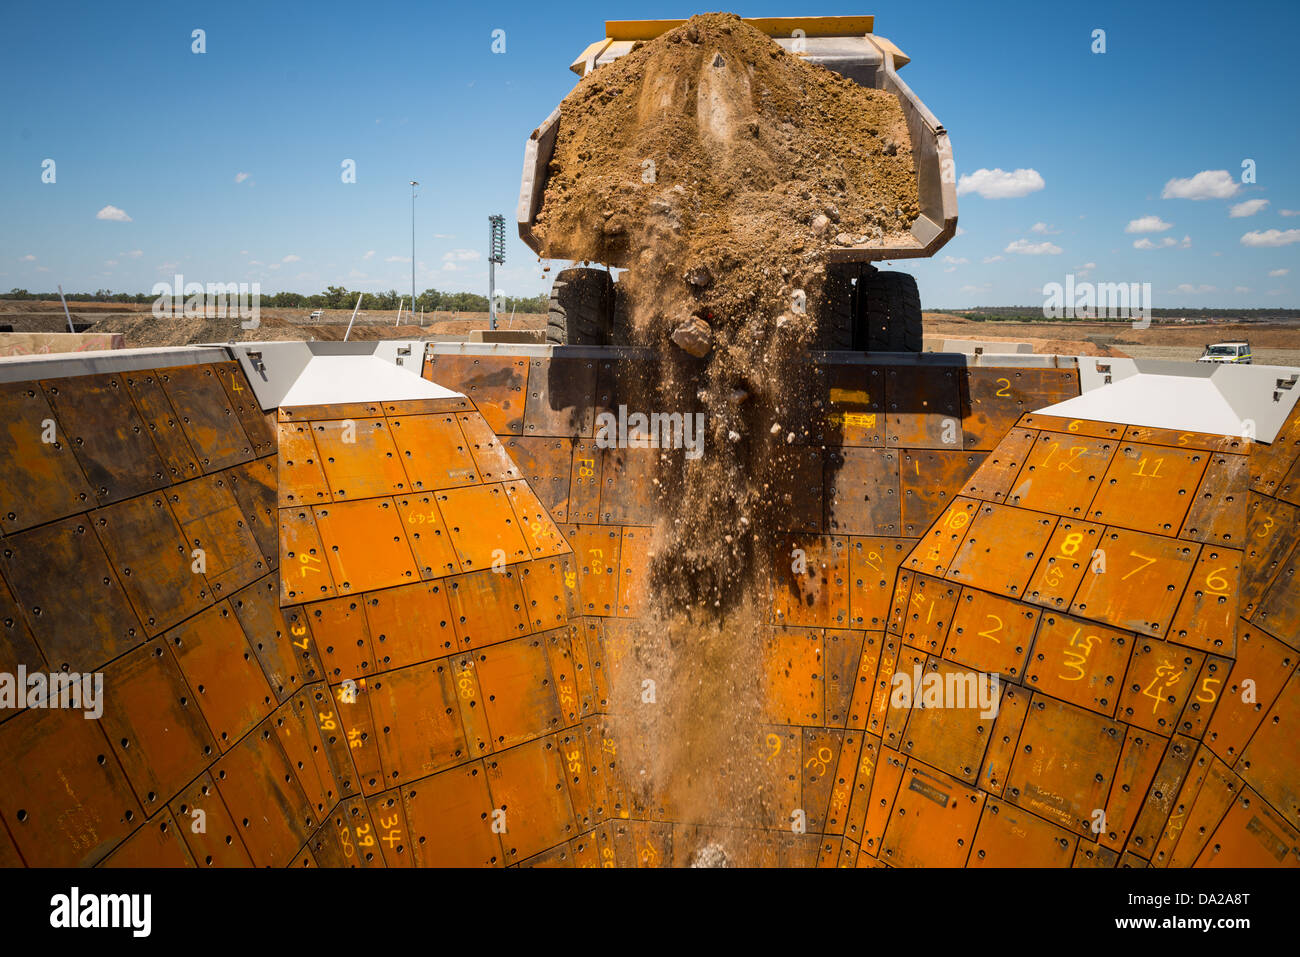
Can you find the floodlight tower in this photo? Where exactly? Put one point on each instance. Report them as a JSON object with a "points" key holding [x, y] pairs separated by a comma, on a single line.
{"points": [[414, 184], [496, 254]]}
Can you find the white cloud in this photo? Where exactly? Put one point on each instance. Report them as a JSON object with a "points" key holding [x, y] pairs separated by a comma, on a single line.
{"points": [[1278, 272], [461, 255], [29, 258], [1241, 289], [1191, 290], [110, 262], [444, 235], [955, 260], [398, 259], [1044, 230], [960, 231], [987, 287], [370, 254], [1277, 292], [356, 274], [113, 214], [1025, 248], [1207, 184], [1164, 243], [167, 267], [1289, 212], [1147, 224], [137, 253], [243, 252], [993, 259], [291, 258], [1271, 237], [1249, 208], [999, 184], [452, 267], [240, 177], [1085, 270]]}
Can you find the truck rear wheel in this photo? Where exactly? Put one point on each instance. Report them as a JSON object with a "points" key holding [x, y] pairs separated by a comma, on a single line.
{"points": [[889, 313], [582, 305], [835, 317]]}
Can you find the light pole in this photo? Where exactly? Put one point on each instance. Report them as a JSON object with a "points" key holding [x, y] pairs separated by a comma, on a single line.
{"points": [[496, 255], [413, 185]]}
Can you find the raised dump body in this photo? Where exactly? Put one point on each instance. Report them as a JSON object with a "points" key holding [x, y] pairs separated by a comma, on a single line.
{"points": [[843, 44], [370, 605]]}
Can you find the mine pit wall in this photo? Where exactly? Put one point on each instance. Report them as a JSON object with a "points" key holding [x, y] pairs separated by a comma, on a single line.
{"points": [[350, 683]]}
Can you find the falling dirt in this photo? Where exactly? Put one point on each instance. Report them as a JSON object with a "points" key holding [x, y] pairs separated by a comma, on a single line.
{"points": [[719, 170]]}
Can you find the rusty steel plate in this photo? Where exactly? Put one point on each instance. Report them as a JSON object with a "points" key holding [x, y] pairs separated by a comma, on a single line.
{"points": [[584, 492], [154, 725], [886, 780], [1062, 474], [818, 762], [998, 470], [629, 491], [1008, 836], [1137, 582], [392, 836], [65, 801], [1207, 792], [634, 572], [1084, 427], [207, 416], [1004, 740], [596, 550], [228, 684], [157, 843], [482, 526], [810, 581], [365, 545], [1278, 612], [865, 748], [300, 737], [1080, 661], [862, 492], [929, 480], [214, 524], [259, 426], [301, 479], [561, 396], [930, 609], [109, 438], [863, 673], [792, 677], [854, 405], [17, 646], [922, 408], [280, 638], [487, 607], [1289, 489], [253, 485], [1001, 549], [332, 410], [1064, 763], [1270, 763], [653, 844], [1217, 515], [70, 595], [898, 604], [1251, 834], [154, 562], [1271, 462], [434, 453], [933, 820], [890, 649], [416, 714], [527, 783], [582, 777], [407, 625], [495, 384], [519, 691], [801, 482], [1069, 555], [359, 458], [1206, 688], [490, 457], [163, 424], [426, 532], [1270, 536], [343, 712], [1206, 617], [546, 465], [953, 736], [551, 602], [935, 551], [1094, 855], [873, 568], [592, 636], [1139, 759], [994, 399], [469, 693], [1262, 668], [42, 479], [342, 637], [842, 654], [304, 572], [317, 703], [1204, 441], [1159, 800], [1149, 488], [272, 815], [990, 633], [540, 533]]}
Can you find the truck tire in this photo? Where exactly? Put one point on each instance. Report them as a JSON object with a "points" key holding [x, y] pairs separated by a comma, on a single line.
{"points": [[889, 313], [621, 322], [835, 315], [582, 301]]}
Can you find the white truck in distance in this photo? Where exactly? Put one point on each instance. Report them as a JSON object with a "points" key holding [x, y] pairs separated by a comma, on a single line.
{"points": [[1227, 352]]}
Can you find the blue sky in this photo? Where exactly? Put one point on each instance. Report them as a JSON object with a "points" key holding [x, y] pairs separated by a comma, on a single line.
{"points": [[228, 163]]}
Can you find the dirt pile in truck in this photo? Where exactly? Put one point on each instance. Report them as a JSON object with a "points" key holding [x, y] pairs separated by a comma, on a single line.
{"points": [[720, 171]]}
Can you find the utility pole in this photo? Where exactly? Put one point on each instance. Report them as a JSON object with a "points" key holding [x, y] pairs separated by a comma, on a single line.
{"points": [[496, 254], [413, 185]]}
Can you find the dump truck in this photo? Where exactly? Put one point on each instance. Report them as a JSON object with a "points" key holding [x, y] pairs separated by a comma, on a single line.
{"points": [[864, 308]]}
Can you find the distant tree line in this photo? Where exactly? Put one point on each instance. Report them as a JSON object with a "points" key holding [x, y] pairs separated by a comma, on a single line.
{"points": [[334, 297], [1035, 314]]}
